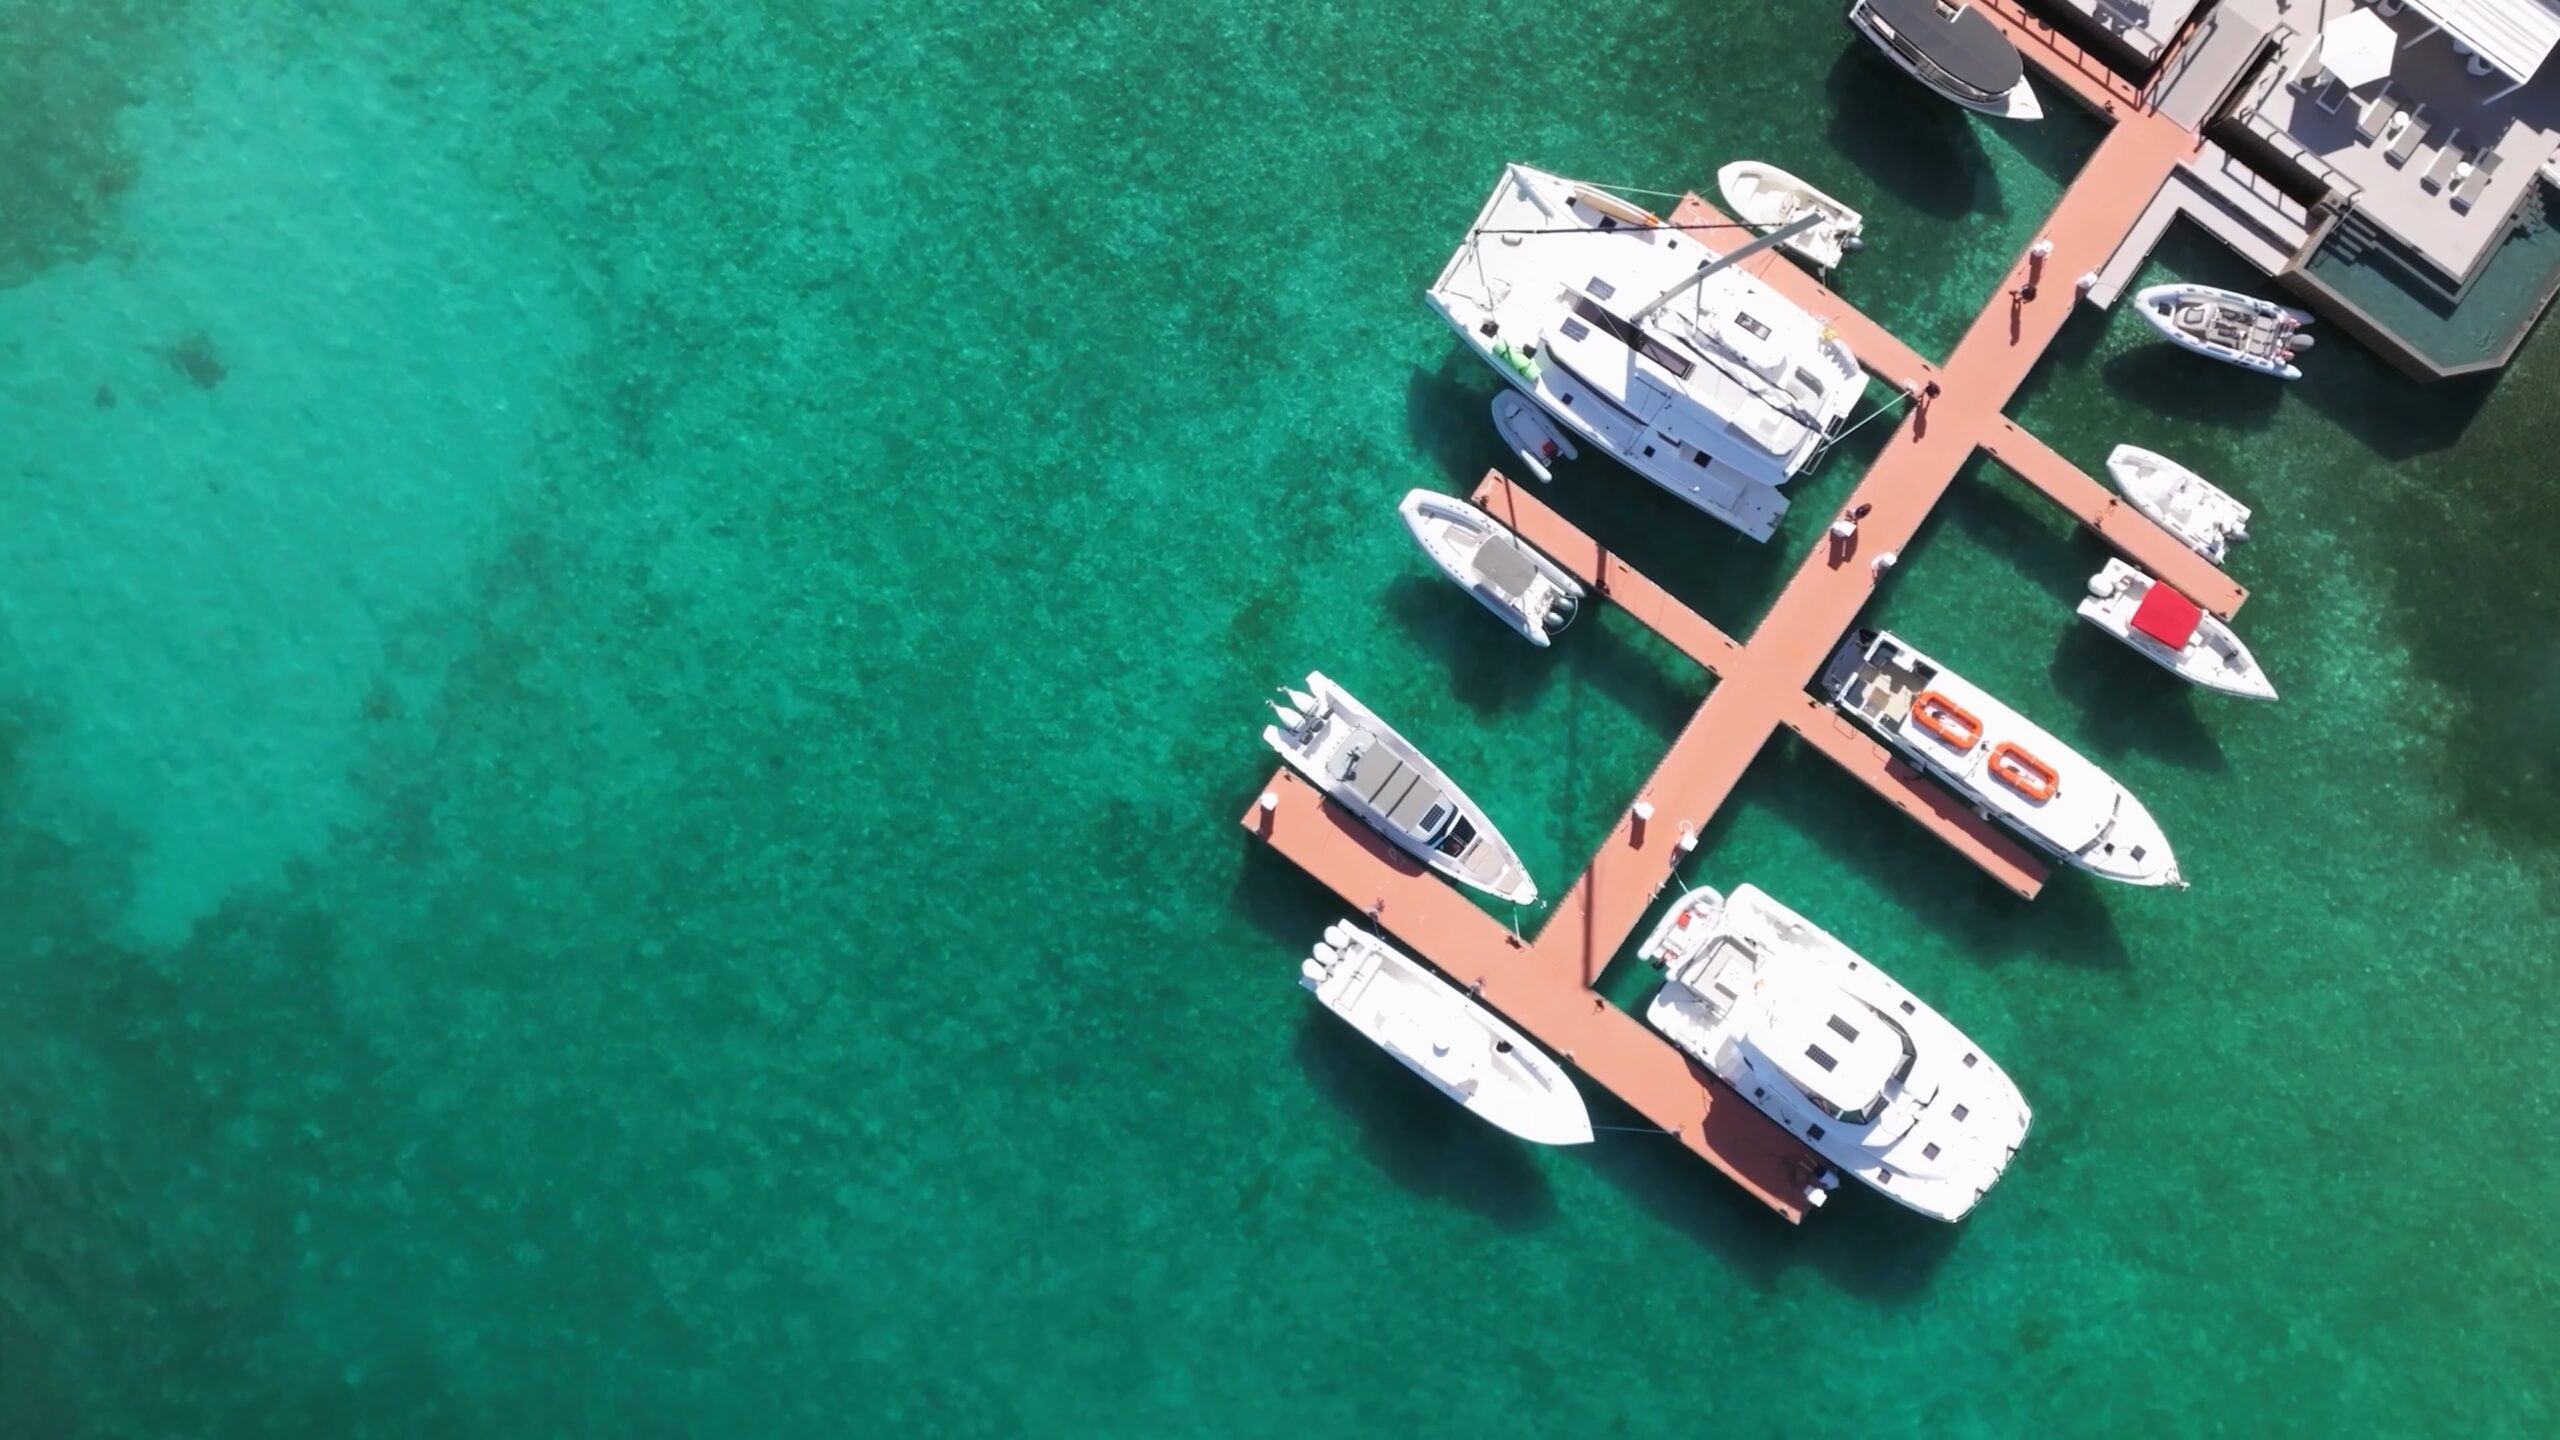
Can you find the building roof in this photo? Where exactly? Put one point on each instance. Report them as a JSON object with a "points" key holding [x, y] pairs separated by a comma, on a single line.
{"points": [[2513, 35]]}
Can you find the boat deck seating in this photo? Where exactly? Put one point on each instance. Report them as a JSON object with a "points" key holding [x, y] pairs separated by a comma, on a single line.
{"points": [[1502, 564], [1393, 789]]}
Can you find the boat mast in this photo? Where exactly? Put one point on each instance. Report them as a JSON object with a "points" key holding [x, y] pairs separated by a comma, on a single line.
{"points": [[1697, 277]]}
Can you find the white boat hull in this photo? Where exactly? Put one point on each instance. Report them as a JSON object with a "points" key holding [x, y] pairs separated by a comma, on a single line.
{"points": [[2212, 656], [1434, 1029], [1531, 593], [2201, 515], [2162, 306], [2018, 102], [1766, 197], [1361, 763], [2008, 767]]}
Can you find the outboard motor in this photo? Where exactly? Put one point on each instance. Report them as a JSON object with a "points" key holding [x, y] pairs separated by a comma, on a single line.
{"points": [[1561, 613], [2299, 341]]}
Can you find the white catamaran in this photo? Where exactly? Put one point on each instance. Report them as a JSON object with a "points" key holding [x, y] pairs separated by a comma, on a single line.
{"points": [[1998, 759], [1643, 340], [1835, 1050]]}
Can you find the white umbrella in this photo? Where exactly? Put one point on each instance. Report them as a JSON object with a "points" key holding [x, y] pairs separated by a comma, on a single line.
{"points": [[2357, 48]]}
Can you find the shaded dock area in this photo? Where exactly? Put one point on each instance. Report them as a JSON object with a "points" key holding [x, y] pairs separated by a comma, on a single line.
{"points": [[1605, 1043]]}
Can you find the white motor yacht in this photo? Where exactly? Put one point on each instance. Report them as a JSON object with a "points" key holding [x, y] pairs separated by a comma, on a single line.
{"points": [[1835, 1050], [1998, 759], [1364, 765], [1953, 49], [1636, 338], [1531, 593], [1471, 1054], [2200, 514], [2172, 631]]}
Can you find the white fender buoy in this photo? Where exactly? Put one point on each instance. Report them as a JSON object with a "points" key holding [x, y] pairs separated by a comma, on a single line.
{"points": [[1815, 1196], [1688, 837]]}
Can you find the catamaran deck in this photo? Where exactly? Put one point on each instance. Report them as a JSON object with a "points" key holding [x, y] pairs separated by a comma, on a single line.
{"points": [[1547, 984]]}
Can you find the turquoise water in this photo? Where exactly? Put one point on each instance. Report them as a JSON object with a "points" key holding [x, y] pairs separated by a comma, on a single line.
{"points": [[630, 651]]}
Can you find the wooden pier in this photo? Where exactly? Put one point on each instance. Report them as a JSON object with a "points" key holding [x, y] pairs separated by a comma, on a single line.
{"points": [[1548, 984]]}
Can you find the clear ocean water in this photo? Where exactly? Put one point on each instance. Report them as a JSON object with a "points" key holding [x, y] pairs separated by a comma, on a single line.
{"points": [[629, 642]]}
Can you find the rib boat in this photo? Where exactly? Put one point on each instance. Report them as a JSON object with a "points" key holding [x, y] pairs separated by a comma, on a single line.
{"points": [[2172, 631], [2236, 329], [1639, 339], [1466, 1051], [1373, 772], [1835, 1050], [1767, 197], [1953, 49], [2178, 500], [1531, 593], [1997, 759]]}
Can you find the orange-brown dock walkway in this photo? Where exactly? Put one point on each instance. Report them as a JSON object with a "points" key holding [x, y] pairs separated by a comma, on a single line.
{"points": [[1547, 985]]}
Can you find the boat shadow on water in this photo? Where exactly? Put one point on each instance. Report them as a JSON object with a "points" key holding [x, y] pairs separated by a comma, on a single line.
{"points": [[1933, 888], [1494, 672], [1912, 145], [1416, 1136], [2128, 705], [2158, 378], [1864, 1244]]}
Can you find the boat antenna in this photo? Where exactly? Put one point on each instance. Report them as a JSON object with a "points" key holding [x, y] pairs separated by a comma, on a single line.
{"points": [[1697, 277]]}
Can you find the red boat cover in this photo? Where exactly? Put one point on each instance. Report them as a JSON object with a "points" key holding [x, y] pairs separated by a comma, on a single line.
{"points": [[2167, 616]]}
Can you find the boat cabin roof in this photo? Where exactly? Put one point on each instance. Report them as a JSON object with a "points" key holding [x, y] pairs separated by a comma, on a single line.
{"points": [[1838, 1051], [1965, 45]]}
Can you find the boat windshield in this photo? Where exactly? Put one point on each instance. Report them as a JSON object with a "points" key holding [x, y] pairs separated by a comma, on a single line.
{"points": [[1460, 836]]}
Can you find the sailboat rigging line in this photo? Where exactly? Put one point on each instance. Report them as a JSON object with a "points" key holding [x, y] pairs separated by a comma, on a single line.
{"points": [[1637, 1129], [1618, 230], [1903, 395]]}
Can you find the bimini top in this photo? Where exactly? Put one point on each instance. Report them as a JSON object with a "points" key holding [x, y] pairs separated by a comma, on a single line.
{"points": [[2167, 616], [1968, 47]]}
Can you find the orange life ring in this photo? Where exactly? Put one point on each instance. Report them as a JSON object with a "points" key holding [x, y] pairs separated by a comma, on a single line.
{"points": [[1946, 719], [2024, 773]]}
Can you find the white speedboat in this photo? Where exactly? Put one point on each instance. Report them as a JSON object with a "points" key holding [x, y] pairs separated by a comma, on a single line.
{"points": [[1532, 593], [1440, 1034], [1835, 1050], [1998, 759], [1634, 337], [1538, 443], [2178, 500], [2237, 329], [1951, 48], [1376, 774], [1766, 197], [2172, 631]]}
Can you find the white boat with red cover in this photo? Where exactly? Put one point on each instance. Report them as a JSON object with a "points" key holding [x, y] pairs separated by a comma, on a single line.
{"points": [[2172, 631]]}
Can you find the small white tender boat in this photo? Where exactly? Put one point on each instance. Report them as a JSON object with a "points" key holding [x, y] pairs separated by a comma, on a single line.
{"points": [[1538, 444], [1440, 1034], [2203, 517], [1532, 593], [1366, 767], [2173, 631], [2237, 329], [1766, 197]]}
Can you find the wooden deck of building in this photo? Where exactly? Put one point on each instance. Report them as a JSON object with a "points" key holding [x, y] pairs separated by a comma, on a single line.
{"points": [[1547, 984]]}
